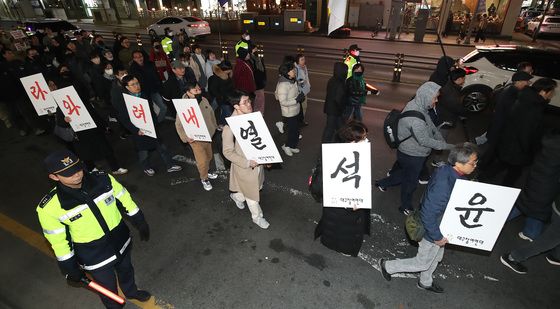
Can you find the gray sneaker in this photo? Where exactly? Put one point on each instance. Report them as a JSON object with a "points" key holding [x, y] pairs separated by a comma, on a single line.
{"points": [[262, 223], [174, 168], [206, 184], [240, 205]]}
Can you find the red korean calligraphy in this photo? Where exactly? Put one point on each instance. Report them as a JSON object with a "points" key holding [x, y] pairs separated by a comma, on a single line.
{"points": [[138, 112], [70, 106], [37, 91], [192, 117]]}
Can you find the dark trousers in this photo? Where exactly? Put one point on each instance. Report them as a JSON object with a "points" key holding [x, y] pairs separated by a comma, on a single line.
{"points": [[549, 240], [124, 272], [293, 131], [144, 157], [406, 174], [333, 124]]}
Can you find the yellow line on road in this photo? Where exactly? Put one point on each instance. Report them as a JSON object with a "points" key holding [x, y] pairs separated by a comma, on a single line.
{"points": [[38, 242]]}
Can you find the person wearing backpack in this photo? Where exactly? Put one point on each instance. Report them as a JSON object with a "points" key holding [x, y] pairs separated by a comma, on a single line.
{"points": [[417, 137], [462, 161]]}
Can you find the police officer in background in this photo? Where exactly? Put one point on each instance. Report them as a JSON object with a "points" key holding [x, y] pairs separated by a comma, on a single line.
{"points": [[352, 58], [245, 42], [81, 220]]}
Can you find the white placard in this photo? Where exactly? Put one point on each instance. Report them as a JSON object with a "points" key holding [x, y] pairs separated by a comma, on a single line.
{"points": [[347, 175], [140, 114], [192, 120], [72, 106], [254, 138], [476, 213], [18, 34], [39, 94]]}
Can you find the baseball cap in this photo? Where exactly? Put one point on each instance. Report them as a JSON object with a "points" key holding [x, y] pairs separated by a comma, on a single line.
{"points": [[63, 162], [354, 47], [520, 76], [177, 64]]}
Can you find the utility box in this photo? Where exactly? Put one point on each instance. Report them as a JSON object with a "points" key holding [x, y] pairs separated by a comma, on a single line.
{"points": [[276, 22], [262, 23], [294, 20], [248, 21]]}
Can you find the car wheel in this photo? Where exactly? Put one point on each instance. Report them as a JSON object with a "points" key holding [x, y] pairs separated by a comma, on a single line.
{"points": [[476, 99]]}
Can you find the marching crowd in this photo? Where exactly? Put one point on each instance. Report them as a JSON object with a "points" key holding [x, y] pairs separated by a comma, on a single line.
{"points": [[516, 142]]}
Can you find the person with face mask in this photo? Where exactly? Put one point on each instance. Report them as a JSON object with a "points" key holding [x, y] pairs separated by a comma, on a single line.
{"points": [[343, 229], [419, 136], [244, 43], [33, 63], [160, 59], [356, 92], [167, 42], [176, 86], [522, 133], [220, 87], [202, 150], [94, 74], [352, 58]]}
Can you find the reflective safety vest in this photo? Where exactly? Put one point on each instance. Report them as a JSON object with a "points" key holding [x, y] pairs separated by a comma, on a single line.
{"points": [[350, 61], [166, 44], [241, 44], [84, 215]]}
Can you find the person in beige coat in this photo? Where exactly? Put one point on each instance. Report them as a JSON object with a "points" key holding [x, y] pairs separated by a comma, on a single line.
{"points": [[202, 150], [290, 98], [246, 176]]}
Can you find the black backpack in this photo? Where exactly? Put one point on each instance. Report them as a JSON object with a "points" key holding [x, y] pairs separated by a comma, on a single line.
{"points": [[315, 182], [391, 125]]}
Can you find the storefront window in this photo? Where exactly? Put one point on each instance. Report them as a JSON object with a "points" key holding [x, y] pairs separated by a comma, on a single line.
{"points": [[495, 11]]}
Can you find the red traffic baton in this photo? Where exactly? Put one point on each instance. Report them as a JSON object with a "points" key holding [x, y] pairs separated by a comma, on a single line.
{"points": [[96, 287], [371, 88]]}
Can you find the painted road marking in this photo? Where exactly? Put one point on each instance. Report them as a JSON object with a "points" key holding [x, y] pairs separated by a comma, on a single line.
{"points": [[39, 242]]}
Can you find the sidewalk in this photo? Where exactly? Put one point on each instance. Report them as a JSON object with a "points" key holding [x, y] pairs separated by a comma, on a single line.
{"points": [[429, 38]]}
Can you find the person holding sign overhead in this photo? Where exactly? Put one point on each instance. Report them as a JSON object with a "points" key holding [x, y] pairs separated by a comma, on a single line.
{"points": [[202, 150], [462, 161], [246, 176], [144, 144]]}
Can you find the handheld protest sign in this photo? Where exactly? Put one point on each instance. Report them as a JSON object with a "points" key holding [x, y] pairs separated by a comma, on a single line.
{"points": [[254, 138], [39, 94], [476, 213], [192, 120], [347, 175], [72, 106], [18, 34], [140, 114]]}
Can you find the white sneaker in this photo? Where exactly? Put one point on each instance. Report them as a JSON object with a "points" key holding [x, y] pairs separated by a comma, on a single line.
{"points": [[295, 150], [174, 168], [95, 169], [206, 184], [212, 176], [240, 205], [300, 137], [120, 171], [525, 237], [261, 222], [287, 150], [280, 126], [150, 172], [112, 119]]}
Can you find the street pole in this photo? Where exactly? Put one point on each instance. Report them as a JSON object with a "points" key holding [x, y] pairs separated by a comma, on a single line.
{"points": [[536, 31], [219, 24]]}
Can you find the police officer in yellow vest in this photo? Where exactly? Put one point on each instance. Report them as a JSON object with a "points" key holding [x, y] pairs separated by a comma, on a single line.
{"points": [[352, 59], [81, 220], [245, 42], [167, 42]]}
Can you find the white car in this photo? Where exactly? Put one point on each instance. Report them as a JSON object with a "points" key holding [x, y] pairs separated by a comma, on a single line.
{"points": [[490, 66], [550, 25], [192, 26]]}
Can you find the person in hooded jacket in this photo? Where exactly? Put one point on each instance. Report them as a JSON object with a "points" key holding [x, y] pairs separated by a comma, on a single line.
{"points": [[335, 101], [343, 229], [522, 133], [243, 73], [287, 93], [220, 87], [441, 75], [418, 138]]}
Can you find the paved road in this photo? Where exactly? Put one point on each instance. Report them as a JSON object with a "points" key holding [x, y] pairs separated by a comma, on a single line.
{"points": [[205, 253]]}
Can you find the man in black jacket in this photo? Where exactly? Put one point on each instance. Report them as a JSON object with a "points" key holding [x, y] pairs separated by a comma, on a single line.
{"points": [[149, 81], [449, 107], [504, 102], [335, 101], [522, 132], [176, 86]]}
